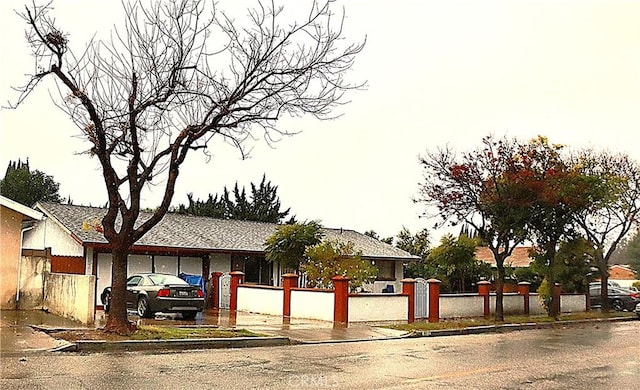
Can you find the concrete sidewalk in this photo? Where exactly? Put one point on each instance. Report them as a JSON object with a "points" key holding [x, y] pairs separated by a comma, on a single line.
{"points": [[297, 329], [18, 336]]}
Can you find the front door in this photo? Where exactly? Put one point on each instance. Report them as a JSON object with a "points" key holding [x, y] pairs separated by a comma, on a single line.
{"points": [[256, 269]]}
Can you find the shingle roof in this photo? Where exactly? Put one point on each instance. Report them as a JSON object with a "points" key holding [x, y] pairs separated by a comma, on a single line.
{"points": [[184, 231]]}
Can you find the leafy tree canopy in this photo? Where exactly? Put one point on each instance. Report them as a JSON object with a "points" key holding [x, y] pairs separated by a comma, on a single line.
{"points": [[573, 264], [262, 205], [288, 244], [456, 265], [332, 258], [417, 245], [629, 252], [28, 187]]}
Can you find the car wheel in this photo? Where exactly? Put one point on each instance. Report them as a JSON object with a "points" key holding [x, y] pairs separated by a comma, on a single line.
{"points": [[617, 305], [189, 315], [143, 308], [106, 302]]}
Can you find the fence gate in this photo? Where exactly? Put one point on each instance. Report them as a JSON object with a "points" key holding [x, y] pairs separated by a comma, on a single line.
{"points": [[421, 309], [225, 291]]}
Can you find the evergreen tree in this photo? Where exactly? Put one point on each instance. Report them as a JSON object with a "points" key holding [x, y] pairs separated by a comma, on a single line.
{"points": [[629, 252], [28, 187], [262, 205]]}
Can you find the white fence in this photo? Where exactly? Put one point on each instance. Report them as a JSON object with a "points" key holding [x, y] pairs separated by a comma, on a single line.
{"points": [[572, 303], [312, 304], [367, 307], [461, 305], [378, 307], [260, 299], [70, 296]]}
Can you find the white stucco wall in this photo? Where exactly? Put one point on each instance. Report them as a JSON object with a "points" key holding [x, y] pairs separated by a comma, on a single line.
{"points": [[452, 306], [535, 306], [32, 277], [573, 303], [317, 305], [70, 296], [220, 262], [512, 304], [626, 283], [10, 227], [378, 285], [260, 299], [48, 234], [373, 307]]}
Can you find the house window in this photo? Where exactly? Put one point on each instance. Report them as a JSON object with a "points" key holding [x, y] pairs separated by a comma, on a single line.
{"points": [[386, 269], [256, 269], [139, 264], [165, 265], [191, 265]]}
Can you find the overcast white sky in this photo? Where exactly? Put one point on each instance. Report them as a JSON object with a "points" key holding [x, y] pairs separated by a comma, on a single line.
{"points": [[439, 72]]}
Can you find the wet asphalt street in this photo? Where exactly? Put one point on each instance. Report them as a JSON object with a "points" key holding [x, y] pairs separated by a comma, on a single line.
{"points": [[588, 356]]}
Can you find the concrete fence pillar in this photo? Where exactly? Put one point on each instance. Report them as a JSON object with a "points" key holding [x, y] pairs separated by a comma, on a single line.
{"points": [[215, 289], [236, 280], [484, 289], [524, 289], [340, 301], [557, 290], [409, 289], [289, 281], [434, 300]]}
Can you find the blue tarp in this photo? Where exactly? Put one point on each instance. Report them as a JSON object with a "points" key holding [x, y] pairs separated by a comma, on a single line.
{"points": [[194, 280]]}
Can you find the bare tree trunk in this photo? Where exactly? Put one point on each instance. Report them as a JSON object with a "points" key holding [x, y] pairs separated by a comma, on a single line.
{"points": [[553, 310], [118, 321], [603, 270], [499, 316], [604, 288]]}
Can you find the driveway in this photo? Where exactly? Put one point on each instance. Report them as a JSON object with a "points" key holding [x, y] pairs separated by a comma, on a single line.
{"points": [[18, 337], [298, 329]]}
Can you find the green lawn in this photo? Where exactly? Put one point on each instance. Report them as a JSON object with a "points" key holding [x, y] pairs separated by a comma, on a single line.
{"points": [[520, 319]]}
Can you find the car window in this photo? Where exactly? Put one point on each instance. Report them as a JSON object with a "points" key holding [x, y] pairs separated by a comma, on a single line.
{"points": [[158, 279], [134, 281]]}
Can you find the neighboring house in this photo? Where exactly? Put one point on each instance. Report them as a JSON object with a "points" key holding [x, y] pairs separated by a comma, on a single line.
{"points": [[186, 244], [519, 257], [623, 275], [15, 220]]}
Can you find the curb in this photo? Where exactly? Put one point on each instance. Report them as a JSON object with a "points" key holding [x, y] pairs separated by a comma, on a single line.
{"points": [[513, 327], [360, 340], [96, 346], [173, 344]]}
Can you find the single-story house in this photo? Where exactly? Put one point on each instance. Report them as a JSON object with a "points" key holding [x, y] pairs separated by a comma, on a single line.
{"points": [[186, 244], [15, 220], [624, 275]]}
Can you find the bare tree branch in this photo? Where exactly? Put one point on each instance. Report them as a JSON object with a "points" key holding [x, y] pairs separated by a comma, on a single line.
{"points": [[179, 75]]}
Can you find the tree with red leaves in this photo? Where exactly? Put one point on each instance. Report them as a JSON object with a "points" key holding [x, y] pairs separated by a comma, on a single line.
{"points": [[479, 189], [557, 193]]}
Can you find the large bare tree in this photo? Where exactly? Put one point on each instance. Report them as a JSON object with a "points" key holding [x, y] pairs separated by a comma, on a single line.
{"points": [[176, 76]]}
